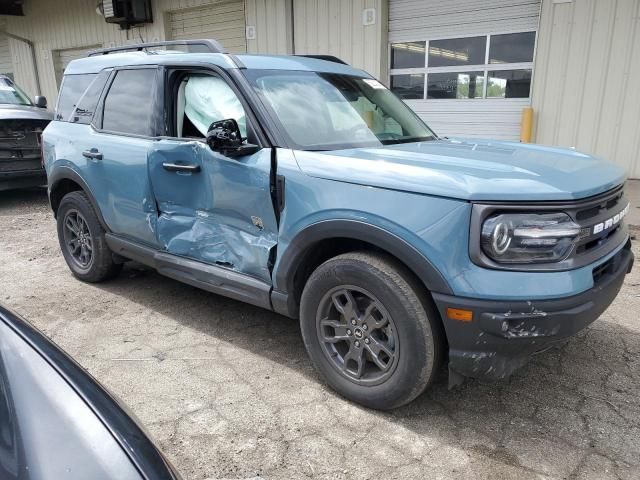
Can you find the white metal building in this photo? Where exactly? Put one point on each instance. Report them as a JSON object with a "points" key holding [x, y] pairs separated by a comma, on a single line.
{"points": [[468, 67]]}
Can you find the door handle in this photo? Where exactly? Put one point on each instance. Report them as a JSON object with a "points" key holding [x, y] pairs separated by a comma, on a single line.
{"points": [[93, 153], [176, 167]]}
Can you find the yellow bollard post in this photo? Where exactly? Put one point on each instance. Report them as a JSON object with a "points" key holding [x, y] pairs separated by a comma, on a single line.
{"points": [[526, 127]]}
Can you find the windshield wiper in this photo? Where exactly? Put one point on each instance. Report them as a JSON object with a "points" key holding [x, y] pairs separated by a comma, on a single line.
{"points": [[407, 140]]}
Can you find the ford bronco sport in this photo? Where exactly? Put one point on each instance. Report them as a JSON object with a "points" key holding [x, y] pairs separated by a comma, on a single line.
{"points": [[304, 186]]}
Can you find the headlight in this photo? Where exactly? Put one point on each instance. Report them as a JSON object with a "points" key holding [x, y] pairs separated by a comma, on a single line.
{"points": [[528, 237]]}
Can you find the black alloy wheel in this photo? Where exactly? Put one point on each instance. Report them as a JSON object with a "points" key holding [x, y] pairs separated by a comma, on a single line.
{"points": [[358, 335], [77, 238]]}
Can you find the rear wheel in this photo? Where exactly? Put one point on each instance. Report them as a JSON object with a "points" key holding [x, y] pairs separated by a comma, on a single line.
{"points": [[369, 330], [82, 240]]}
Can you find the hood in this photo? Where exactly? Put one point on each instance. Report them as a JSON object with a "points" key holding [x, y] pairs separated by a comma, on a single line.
{"points": [[24, 112], [469, 170]]}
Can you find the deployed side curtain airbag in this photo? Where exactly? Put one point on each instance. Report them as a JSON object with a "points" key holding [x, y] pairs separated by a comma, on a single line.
{"points": [[209, 99]]}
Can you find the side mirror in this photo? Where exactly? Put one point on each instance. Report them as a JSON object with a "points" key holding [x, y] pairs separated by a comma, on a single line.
{"points": [[40, 101], [224, 137]]}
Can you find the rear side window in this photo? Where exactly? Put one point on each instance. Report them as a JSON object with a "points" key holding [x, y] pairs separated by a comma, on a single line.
{"points": [[88, 102], [129, 105], [73, 86]]}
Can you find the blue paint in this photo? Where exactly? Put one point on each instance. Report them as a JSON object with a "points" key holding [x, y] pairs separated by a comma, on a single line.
{"points": [[469, 170]]}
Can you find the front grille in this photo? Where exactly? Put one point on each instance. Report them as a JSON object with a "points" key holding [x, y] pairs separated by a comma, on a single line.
{"points": [[600, 219], [20, 145]]}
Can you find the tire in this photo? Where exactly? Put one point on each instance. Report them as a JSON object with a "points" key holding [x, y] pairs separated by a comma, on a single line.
{"points": [[384, 293], [76, 219]]}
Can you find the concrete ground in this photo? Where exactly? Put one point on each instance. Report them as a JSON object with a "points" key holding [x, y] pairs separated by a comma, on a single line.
{"points": [[228, 392]]}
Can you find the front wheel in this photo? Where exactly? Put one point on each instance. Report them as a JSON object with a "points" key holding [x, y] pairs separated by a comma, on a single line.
{"points": [[369, 331]]}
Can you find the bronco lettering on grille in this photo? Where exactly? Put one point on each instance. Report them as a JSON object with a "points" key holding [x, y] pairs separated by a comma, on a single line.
{"points": [[610, 222]]}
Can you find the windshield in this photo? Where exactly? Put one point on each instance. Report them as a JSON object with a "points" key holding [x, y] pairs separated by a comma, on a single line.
{"points": [[10, 93], [328, 111]]}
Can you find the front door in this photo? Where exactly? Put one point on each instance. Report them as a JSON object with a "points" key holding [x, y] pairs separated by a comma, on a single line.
{"points": [[211, 208]]}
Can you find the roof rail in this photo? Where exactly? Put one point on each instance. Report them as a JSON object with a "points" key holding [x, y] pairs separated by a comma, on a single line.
{"points": [[328, 58], [205, 45]]}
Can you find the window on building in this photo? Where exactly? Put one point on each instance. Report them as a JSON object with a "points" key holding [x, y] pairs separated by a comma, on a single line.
{"points": [[408, 55], [88, 101], [457, 52], [487, 66], [410, 86], [73, 86], [455, 85], [129, 104]]}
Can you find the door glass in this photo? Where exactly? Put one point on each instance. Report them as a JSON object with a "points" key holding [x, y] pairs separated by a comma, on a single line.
{"points": [[204, 99], [129, 105]]}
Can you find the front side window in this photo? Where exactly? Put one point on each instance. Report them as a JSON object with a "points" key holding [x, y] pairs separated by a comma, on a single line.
{"points": [[130, 102], [73, 87], [487, 66], [11, 94], [204, 99], [327, 111]]}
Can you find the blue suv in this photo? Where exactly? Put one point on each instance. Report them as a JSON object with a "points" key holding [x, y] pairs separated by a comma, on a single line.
{"points": [[304, 186]]}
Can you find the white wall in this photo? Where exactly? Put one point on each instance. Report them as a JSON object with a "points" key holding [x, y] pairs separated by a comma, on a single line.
{"points": [[335, 27], [587, 75]]}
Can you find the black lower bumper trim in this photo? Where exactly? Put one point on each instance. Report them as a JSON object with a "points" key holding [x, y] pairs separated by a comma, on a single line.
{"points": [[504, 334], [13, 180]]}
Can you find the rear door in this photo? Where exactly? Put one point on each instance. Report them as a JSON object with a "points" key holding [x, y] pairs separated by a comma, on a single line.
{"points": [[211, 208], [114, 152]]}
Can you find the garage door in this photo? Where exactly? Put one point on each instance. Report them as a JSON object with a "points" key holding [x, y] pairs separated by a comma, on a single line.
{"points": [[465, 66], [223, 22], [61, 59], [6, 66]]}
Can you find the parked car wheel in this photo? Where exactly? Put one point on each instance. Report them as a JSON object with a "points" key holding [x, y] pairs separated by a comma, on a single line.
{"points": [[82, 240], [369, 331]]}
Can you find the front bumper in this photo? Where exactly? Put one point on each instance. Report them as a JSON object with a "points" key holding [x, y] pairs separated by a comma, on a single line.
{"points": [[503, 335]]}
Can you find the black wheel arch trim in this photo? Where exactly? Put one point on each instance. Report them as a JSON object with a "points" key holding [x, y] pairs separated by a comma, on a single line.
{"points": [[67, 173], [283, 300]]}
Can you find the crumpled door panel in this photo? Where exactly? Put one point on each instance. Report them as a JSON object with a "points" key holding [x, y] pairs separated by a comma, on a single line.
{"points": [[222, 215]]}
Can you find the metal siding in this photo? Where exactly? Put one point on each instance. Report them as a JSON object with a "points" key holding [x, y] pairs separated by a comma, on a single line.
{"points": [[498, 119], [61, 59], [334, 27], [51, 26], [222, 21], [6, 64], [272, 19], [587, 70], [421, 19], [23, 71]]}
